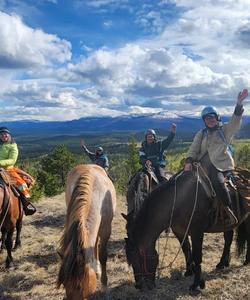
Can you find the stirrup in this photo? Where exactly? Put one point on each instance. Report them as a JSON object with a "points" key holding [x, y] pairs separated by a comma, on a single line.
{"points": [[29, 210]]}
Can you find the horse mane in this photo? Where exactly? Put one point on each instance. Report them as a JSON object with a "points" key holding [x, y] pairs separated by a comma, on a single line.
{"points": [[150, 201], [75, 236]]}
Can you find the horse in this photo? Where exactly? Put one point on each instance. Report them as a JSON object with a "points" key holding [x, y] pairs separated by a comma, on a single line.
{"points": [[11, 215], [91, 202], [183, 203], [140, 186]]}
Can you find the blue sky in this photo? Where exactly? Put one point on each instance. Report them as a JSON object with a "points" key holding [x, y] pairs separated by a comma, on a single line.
{"points": [[63, 60]]}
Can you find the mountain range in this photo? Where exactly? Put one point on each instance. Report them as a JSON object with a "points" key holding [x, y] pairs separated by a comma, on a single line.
{"points": [[126, 123]]}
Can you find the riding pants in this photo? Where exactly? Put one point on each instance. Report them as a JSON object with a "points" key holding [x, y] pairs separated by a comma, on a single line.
{"points": [[218, 181]]}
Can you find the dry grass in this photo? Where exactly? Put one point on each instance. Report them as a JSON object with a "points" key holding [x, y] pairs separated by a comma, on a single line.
{"points": [[36, 264]]}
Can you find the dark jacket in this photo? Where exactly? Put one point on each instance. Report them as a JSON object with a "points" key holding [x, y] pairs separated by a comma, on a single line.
{"points": [[100, 160], [155, 151]]}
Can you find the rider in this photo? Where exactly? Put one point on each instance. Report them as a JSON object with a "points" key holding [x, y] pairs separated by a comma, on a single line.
{"points": [[152, 152], [212, 144], [8, 158], [98, 157]]}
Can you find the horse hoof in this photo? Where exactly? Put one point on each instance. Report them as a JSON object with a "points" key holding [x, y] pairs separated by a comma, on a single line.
{"points": [[188, 273], [193, 290], [221, 266], [246, 262], [16, 247], [202, 284], [8, 265]]}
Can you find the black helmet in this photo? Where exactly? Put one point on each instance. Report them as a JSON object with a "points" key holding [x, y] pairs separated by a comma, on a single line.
{"points": [[150, 131], [4, 129]]}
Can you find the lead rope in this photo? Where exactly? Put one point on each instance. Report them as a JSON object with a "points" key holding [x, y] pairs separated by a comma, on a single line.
{"points": [[191, 217]]}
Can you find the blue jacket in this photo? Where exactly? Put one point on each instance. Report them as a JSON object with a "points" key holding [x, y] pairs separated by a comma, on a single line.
{"points": [[100, 160]]}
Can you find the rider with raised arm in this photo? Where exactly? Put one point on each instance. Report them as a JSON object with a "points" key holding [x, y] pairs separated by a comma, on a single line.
{"points": [[212, 145], [152, 152], [98, 157]]}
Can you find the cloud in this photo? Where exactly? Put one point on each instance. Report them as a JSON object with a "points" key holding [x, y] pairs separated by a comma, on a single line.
{"points": [[24, 47]]}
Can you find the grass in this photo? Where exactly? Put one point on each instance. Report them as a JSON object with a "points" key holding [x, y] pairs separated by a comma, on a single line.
{"points": [[36, 264]]}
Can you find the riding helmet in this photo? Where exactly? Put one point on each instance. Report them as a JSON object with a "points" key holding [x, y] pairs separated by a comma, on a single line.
{"points": [[209, 111]]}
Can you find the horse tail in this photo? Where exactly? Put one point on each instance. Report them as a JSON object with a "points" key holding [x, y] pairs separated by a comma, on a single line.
{"points": [[75, 237], [241, 238]]}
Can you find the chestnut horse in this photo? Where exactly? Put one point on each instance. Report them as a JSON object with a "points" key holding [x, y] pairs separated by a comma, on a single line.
{"points": [[11, 215], [91, 201]]}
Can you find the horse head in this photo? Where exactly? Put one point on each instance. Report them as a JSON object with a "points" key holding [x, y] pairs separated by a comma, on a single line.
{"points": [[84, 283], [144, 264]]}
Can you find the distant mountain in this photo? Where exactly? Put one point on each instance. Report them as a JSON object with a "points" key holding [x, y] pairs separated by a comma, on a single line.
{"points": [[113, 124]]}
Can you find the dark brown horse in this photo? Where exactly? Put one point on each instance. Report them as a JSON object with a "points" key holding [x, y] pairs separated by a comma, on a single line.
{"points": [[91, 202], [184, 204], [11, 215], [140, 186]]}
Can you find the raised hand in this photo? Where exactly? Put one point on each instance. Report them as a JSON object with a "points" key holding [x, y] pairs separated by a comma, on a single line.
{"points": [[82, 143], [242, 96], [173, 127]]}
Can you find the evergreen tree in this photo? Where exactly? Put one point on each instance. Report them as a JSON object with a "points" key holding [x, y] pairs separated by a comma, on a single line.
{"points": [[243, 157], [54, 169], [132, 163]]}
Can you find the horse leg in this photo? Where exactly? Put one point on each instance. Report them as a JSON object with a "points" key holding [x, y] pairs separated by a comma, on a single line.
{"points": [[3, 239], [19, 224], [103, 255], [186, 248], [225, 258], [247, 226], [197, 241], [9, 245]]}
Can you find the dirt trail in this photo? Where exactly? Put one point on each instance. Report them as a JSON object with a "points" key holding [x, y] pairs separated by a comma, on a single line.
{"points": [[36, 264]]}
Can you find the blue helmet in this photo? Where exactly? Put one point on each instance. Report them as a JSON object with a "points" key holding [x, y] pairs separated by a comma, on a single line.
{"points": [[209, 110]]}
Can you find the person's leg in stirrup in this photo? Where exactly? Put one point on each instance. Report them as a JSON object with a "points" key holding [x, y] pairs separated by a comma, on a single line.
{"points": [[28, 207]]}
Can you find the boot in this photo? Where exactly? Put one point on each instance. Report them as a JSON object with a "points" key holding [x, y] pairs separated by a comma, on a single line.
{"points": [[28, 208], [231, 216]]}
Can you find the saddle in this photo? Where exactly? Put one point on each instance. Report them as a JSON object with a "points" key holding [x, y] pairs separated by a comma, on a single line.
{"points": [[151, 174], [239, 181]]}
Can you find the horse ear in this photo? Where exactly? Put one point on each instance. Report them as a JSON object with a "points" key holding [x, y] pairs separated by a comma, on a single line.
{"points": [[124, 216]]}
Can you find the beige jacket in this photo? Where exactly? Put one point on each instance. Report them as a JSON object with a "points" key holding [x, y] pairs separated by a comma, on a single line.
{"points": [[213, 143]]}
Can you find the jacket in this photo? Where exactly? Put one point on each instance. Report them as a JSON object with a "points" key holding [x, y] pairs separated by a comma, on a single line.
{"points": [[100, 160], [8, 154], [155, 151], [216, 142]]}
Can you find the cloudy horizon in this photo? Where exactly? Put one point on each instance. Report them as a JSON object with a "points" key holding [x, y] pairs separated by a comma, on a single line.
{"points": [[63, 60]]}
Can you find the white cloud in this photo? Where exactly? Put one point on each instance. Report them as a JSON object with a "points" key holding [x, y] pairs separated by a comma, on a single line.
{"points": [[24, 47]]}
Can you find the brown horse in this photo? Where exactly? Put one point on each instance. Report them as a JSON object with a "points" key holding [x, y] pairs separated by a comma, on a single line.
{"points": [[11, 215], [91, 200]]}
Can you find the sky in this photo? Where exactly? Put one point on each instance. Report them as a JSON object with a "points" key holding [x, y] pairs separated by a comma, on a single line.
{"points": [[68, 59]]}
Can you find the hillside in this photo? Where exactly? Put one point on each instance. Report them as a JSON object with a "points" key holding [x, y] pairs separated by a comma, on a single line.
{"points": [[34, 274]]}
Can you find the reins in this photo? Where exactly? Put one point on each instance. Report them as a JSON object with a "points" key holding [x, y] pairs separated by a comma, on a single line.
{"points": [[197, 165]]}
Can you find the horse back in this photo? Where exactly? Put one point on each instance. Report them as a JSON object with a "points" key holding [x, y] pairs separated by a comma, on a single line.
{"points": [[100, 195]]}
